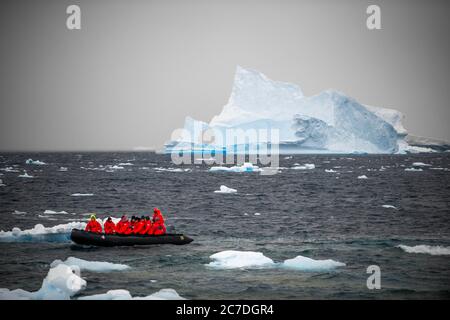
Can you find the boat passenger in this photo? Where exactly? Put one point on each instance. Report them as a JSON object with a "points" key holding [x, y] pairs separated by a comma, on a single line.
{"points": [[110, 226], [139, 226], [148, 226], [122, 225], [157, 216], [93, 225]]}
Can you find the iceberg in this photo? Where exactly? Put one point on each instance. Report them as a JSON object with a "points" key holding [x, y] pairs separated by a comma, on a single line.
{"points": [[58, 233], [362, 177], [93, 266], [329, 122], [246, 167], [307, 264], [35, 162], [25, 175], [231, 259]]}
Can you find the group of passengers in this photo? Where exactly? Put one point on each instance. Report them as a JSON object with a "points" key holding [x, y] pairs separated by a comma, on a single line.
{"points": [[142, 226]]}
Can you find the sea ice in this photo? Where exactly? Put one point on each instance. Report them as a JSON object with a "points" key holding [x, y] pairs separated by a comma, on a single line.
{"points": [[239, 259], [25, 175], [307, 264], [362, 177], [421, 164], [306, 166], [413, 169], [94, 266], [433, 250], [35, 162], [388, 206], [82, 194], [246, 167], [225, 189]]}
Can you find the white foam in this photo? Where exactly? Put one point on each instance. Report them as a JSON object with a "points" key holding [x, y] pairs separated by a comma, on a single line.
{"points": [[94, 266], [362, 177], [82, 194], [239, 259], [225, 189], [421, 164], [426, 249], [306, 166], [307, 264], [35, 162], [413, 169], [388, 206]]}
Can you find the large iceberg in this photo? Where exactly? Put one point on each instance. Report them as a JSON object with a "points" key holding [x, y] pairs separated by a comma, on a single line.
{"points": [[329, 122]]}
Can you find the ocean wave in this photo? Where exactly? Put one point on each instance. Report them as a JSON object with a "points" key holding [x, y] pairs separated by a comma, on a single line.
{"points": [[426, 249]]}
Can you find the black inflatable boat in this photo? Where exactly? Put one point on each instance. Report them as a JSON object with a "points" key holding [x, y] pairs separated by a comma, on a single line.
{"points": [[110, 240]]}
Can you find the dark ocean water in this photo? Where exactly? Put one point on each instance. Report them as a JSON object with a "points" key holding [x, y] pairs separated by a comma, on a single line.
{"points": [[311, 213]]}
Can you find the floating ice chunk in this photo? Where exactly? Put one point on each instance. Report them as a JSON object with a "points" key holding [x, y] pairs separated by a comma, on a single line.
{"points": [[172, 169], [1, 183], [61, 283], [433, 250], [55, 212], [413, 169], [116, 167], [306, 166], [94, 266], [388, 206], [307, 264], [82, 194], [19, 213], [330, 170], [225, 189], [58, 233], [9, 169], [63, 169], [25, 175], [122, 294], [257, 214], [421, 164], [239, 259], [35, 162], [246, 167], [362, 177], [288, 157], [126, 164]]}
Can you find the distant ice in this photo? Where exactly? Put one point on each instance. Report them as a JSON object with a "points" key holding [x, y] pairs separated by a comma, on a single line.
{"points": [[115, 167], [306, 166], [63, 169], [1, 183], [35, 162], [246, 167], [433, 250], [225, 189], [413, 169], [19, 213], [126, 164], [330, 170], [388, 206], [362, 177], [122, 294], [421, 164], [172, 169], [55, 212], [94, 266], [25, 175], [82, 194], [257, 214]]}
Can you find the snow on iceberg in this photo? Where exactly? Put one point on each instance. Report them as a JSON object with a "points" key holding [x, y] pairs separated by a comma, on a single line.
{"points": [[35, 162], [225, 189], [307, 264], [58, 233], [433, 250], [329, 122], [94, 266], [231, 259]]}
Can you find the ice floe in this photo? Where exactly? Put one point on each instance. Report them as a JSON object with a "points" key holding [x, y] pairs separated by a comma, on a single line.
{"points": [[94, 266], [55, 212], [35, 162], [225, 189], [25, 175], [82, 194], [172, 169], [62, 169], [1, 183], [122, 294], [9, 169], [389, 206], [19, 213], [421, 164], [306, 166], [423, 248], [125, 164], [41, 233], [330, 170], [246, 167], [362, 177], [231, 259], [413, 169]]}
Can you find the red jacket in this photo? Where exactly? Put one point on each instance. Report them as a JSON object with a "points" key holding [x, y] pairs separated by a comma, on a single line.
{"points": [[110, 227], [148, 227], [158, 217], [122, 227], [93, 226], [138, 227], [159, 229]]}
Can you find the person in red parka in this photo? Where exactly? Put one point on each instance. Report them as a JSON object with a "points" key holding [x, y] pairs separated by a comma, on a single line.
{"points": [[110, 226], [93, 225], [123, 225], [148, 226], [139, 226], [158, 222], [157, 216]]}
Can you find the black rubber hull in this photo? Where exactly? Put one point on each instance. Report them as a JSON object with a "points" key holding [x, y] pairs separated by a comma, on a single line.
{"points": [[110, 240]]}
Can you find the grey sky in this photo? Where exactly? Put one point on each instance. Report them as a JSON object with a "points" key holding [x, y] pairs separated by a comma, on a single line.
{"points": [[137, 68]]}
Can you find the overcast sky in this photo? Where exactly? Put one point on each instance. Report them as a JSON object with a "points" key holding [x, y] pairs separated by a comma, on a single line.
{"points": [[136, 69]]}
